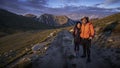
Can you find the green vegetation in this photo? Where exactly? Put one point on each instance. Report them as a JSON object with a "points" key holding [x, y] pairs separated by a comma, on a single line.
{"points": [[25, 64], [109, 29], [109, 20], [19, 42], [22, 39], [14, 46], [117, 29]]}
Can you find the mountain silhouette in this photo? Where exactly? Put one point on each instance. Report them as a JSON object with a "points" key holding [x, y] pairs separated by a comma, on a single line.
{"points": [[56, 20], [9, 20]]}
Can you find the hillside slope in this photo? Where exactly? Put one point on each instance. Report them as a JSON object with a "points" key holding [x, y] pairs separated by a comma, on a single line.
{"points": [[14, 46], [108, 31], [14, 21], [109, 20]]}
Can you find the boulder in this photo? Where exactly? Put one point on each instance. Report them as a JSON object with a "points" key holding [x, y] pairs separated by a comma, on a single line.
{"points": [[71, 30], [36, 48]]}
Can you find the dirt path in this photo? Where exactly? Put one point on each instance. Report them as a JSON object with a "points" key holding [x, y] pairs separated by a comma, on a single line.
{"points": [[61, 55]]}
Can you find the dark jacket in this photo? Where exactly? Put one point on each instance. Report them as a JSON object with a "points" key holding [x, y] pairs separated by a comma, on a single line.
{"points": [[76, 34]]}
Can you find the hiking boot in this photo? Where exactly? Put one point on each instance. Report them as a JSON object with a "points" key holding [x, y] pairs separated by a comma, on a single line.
{"points": [[77, 54], [88, 60], [83, 56]]}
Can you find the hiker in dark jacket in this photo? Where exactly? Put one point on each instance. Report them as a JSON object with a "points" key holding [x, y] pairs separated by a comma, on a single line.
{"points": [[76, 34]]}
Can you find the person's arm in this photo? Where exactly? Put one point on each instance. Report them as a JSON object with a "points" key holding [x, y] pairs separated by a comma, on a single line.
{"points": [[92, 32], [74, 32]]}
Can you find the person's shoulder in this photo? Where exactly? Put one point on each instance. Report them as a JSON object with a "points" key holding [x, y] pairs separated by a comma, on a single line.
{"points": [[90, 23]]}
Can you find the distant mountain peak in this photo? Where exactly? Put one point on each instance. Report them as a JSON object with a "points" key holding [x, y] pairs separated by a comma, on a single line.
{"points": [[30, 15], [55, 20]]}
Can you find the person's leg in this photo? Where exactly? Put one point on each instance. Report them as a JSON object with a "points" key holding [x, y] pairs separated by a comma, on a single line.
{"points": [[88, 50], [84, 49], [77, 50], [75, 47]]}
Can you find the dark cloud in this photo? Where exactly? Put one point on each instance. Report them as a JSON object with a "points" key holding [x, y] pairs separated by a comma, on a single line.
{"points": [[73, 1], [23, 6], [118, 8], [98, 4], [109, 2]]}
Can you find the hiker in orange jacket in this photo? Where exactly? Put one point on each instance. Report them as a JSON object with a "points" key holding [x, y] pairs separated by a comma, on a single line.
{"points": [[87, 33]]}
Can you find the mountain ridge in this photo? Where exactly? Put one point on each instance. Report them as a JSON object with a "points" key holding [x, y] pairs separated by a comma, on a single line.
{"points": [[56, 20]]}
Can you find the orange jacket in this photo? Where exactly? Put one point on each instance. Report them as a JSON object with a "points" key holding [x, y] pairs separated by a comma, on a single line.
{"points": [[87, 30]]}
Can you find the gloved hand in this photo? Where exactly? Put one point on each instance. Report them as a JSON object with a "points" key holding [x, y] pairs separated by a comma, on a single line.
{"points": [[90, 38]]}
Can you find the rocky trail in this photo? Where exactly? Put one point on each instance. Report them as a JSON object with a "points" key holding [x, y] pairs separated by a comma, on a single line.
{"points": [[60, 54], [37, 50]]}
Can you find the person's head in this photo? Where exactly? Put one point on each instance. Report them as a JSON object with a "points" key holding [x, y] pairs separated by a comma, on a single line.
{"points": [[78, 25], [85, 20]]}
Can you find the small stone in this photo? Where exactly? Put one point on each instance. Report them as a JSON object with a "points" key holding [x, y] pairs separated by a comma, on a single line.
{"points": [[110, 40]]}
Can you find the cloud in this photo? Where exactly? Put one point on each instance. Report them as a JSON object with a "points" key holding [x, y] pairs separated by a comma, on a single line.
{"points": [[20, 4], [23, 6], [72, 1], [87, 9], [118, 8], [107, 3], [80, 11], [98, 4]]}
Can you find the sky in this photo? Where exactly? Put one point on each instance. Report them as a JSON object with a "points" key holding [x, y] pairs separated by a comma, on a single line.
{"points": [[71, 8]]}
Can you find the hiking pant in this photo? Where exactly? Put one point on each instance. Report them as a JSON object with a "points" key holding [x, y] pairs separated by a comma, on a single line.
{"points": [[86, 44], [76, 46]]}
